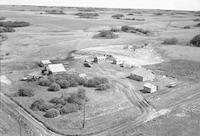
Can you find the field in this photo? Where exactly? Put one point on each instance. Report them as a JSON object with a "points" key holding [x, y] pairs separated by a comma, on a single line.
{"points": [[74, 36]]}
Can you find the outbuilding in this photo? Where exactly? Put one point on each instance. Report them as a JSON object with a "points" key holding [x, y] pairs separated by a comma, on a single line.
{"points": [[150, 88], [56, 68], [142, 74]]}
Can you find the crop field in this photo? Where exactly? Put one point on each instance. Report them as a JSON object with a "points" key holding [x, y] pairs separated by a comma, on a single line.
{"points": [[99, 50]]}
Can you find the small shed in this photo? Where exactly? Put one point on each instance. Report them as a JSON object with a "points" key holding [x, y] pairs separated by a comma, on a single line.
{"points": [[56, 68], [150, 87], [142, 74], [44, 63]]}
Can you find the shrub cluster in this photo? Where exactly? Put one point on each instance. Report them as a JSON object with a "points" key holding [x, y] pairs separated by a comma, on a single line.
{"points": [[98, 82], [130, 29], [40, 105], [44, 82], [25, 92], [87, 15], [55, 11], [54, 87], [70, 103], [196, 20], [6, 29], [170, 41], [195, 41], [107, 34], [2, 18], [117, 16], [52, 113], [197, 25], [14, 24]]}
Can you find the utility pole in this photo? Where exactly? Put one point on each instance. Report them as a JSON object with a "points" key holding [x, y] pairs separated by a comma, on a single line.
{"points": [[20, 127], [83, 123]]}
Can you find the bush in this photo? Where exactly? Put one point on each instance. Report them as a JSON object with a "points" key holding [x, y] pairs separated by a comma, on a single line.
{"points": [[130, 29], [14, 24], [69, 108], [2, 18], [196, 20], [54, 87], [158, 14], [26, 92], [81, 93], [107, 34], [73, 79], [117, 16], [44, 82], [63, 83], [51, 113], [6, 29], [103, 87], [87, 15], [197, 25], [195, 41], [94, 82], [78, 98], [40, 105], [170, 41], [57, 101], [115, 29], [186, 27], [55, 11]]}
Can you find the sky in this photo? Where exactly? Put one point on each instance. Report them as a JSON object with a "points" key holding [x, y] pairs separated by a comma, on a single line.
{"points": [[144, 4]]}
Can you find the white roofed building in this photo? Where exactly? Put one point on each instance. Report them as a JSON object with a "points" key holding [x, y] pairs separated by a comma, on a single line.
{"points": [[56, 68], [150, 88], [45, 62]]}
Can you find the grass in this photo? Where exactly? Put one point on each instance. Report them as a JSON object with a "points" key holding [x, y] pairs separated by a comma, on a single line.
{"points": [[181, 69]]}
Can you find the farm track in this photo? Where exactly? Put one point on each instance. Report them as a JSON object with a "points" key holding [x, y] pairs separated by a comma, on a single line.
{"points": [[114, 130]]}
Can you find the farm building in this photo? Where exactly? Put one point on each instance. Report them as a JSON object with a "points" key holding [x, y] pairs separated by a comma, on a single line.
{"points": [[150, 88], [142, 74], [44, 63], [56, 68]]}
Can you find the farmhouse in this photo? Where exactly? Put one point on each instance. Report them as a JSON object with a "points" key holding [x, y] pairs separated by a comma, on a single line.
{"points": [[44, 63], [150, 88], [142, 74], [56, 68]]}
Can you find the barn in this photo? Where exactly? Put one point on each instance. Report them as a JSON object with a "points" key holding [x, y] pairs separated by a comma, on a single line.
{"points": [[56, 68], [150, 88], [142, 74]]}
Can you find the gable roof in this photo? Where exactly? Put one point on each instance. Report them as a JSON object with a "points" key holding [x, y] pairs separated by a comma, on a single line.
{"points": [[54, 68]]}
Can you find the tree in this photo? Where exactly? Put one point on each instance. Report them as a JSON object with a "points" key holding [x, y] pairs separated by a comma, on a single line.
{"points": [[26, 92], [195, 40], [44, 82], [69, 108], [51, 113], [54, 87], [63, 83]]}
